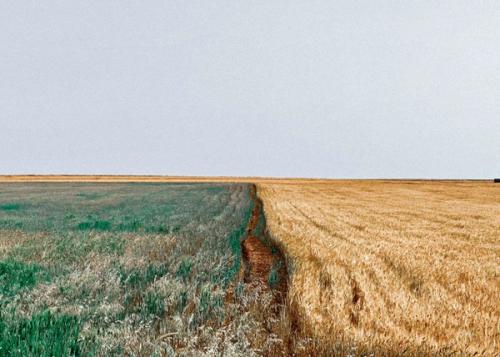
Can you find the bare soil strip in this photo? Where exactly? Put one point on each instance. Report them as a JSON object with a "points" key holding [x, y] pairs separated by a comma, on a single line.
{"points": [[260, 259], [263, 261]]}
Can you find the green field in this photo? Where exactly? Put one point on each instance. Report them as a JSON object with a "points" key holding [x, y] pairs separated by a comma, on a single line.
{"points": [[125, 269]]}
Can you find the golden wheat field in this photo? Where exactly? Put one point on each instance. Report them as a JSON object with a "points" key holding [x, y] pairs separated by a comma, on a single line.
{"points": [[392, 266]]}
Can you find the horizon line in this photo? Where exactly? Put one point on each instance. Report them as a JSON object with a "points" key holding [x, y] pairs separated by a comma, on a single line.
{"points": [[186, 178]]}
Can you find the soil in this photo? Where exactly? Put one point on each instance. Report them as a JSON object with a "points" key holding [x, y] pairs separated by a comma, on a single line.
{"points": [[261, 256]]}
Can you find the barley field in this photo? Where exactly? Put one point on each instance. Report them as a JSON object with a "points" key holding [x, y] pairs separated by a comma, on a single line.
{"points": [[391, 267], [136, 269]]}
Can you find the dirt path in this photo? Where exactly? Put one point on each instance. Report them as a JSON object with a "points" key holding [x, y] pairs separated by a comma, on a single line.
{"points": [[264, 262], [260, 260]]}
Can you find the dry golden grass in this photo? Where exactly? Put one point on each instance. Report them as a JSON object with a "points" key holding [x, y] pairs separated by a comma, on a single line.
{"points": [[392, 266]]}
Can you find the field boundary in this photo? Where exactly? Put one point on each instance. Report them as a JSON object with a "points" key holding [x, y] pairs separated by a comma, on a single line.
{"points": [[263, 260]]}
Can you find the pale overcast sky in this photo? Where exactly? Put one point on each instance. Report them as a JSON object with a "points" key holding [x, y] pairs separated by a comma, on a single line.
{"points": [[269, 88]]}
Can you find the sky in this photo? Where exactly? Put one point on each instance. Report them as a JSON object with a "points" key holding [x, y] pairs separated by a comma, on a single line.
{"points": [[334, 89]]}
